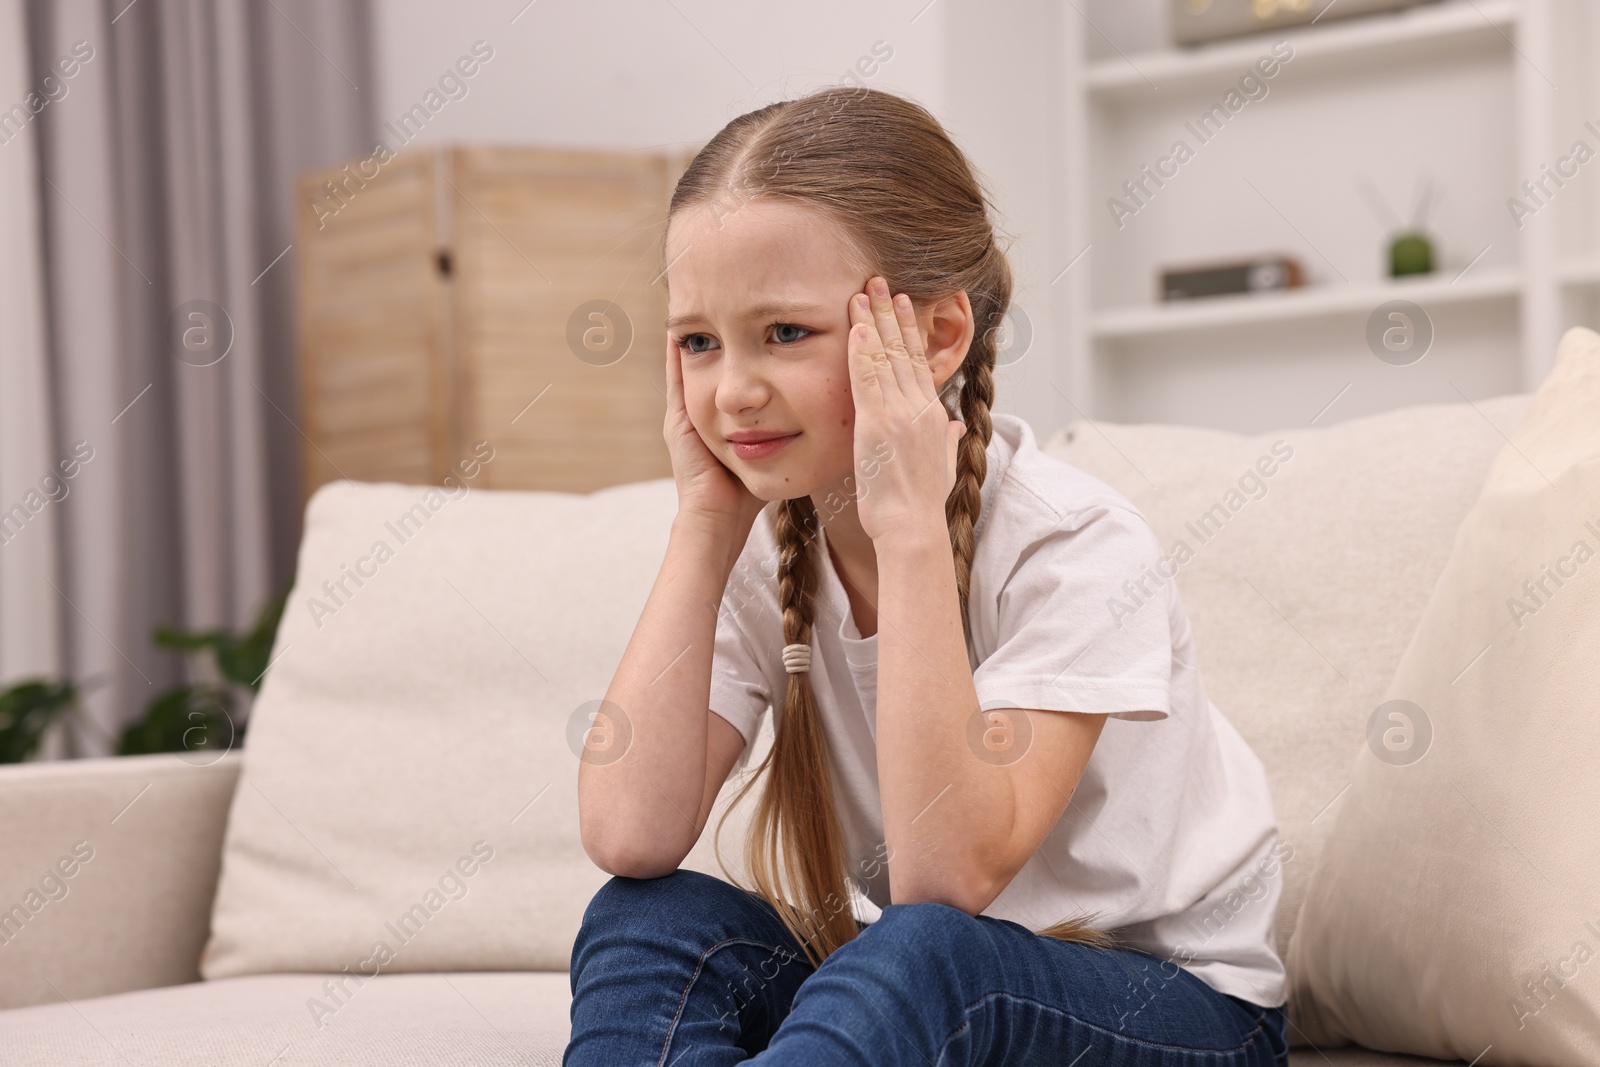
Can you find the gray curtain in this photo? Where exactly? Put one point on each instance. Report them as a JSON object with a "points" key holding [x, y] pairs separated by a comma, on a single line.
{"points": [[166, 166]]}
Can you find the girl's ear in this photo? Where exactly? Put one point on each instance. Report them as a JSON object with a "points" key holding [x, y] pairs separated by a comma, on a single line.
{"points": [[947, 330]]}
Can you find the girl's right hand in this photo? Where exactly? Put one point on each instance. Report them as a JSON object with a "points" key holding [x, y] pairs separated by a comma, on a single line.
{"points": [[705, 486]]}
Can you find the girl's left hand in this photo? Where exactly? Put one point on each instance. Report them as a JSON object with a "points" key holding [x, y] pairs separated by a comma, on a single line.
{"points": [[905, 441]]}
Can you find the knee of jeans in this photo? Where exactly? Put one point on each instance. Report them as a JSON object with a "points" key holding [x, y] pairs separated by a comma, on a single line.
{"points": [[926, 934], [928, 918], [621, 901]]}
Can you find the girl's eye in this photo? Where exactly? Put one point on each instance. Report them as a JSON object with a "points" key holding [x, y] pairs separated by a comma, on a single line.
{"points": [[782, 334], [788, 326], [686, 344]]}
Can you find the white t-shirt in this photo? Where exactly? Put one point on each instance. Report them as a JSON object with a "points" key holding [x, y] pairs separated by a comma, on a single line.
{"points": [[1170, 835]]}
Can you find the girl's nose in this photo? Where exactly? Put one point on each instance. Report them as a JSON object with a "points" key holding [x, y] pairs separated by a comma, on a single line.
{"points": [[743, 383]]}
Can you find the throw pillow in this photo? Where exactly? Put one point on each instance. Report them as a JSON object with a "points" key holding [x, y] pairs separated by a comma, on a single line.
{"points": [[1454, 910]]}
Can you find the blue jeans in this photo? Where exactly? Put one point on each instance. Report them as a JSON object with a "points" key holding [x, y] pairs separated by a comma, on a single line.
{"points": [[687, 970]]}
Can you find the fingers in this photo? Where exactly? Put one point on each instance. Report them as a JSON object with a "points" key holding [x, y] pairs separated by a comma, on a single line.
{"points": [[905, 319], [883, 315], [892, 346], [917, 350], [897, 340], [865, 355]]}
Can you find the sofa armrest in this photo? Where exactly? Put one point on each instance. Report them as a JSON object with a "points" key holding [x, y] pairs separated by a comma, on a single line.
{"points": [[108, 872]]}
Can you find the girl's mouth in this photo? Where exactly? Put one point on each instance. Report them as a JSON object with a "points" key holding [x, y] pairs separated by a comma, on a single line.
{"points": [[761, 449]]}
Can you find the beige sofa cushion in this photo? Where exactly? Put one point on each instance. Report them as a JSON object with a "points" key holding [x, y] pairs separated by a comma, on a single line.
{"points": [[409, 793], [1305, 584], [1455, 904]]}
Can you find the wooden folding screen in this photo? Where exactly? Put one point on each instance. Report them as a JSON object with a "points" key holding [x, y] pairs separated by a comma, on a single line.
{"points": [[510, 295]]}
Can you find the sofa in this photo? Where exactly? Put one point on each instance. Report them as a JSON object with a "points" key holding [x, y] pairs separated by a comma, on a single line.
{"points": [[445, 648]]}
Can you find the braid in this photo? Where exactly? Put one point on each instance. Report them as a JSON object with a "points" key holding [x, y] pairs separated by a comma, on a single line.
{"points": [[965, 503], [797, 573]]}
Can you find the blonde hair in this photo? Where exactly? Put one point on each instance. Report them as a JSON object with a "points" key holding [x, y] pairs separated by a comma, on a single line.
{"points": [[906, 201]]}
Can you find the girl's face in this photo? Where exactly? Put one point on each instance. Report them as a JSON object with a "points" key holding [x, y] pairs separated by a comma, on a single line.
{"points": [[758, 302]]}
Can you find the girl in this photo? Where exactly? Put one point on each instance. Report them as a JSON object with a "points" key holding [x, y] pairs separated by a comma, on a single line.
{"points": [[946, 623]]}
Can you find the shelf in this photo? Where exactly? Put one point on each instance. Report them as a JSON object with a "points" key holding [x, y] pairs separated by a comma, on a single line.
{"points": [[1246, 309], [1409, 34]]}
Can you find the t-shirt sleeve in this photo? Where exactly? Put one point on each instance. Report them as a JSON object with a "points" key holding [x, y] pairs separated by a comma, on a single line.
{"points": [[1083, 623], [740, 690]]}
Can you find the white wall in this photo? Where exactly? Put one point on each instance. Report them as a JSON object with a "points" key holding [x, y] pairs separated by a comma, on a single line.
{"points": [[638, 73], [650, 73]]}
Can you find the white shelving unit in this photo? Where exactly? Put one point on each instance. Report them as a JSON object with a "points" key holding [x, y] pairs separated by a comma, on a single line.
{"points": [[1296, 304], [1334, 45], [1480, 94]]}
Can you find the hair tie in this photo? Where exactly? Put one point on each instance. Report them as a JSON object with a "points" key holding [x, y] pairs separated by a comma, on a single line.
{"points": [[796, 658]]}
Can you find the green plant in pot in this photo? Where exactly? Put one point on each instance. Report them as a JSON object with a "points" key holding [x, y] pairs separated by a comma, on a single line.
{"points": [[1410, 253], [1410, 247], [199, 716]]}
